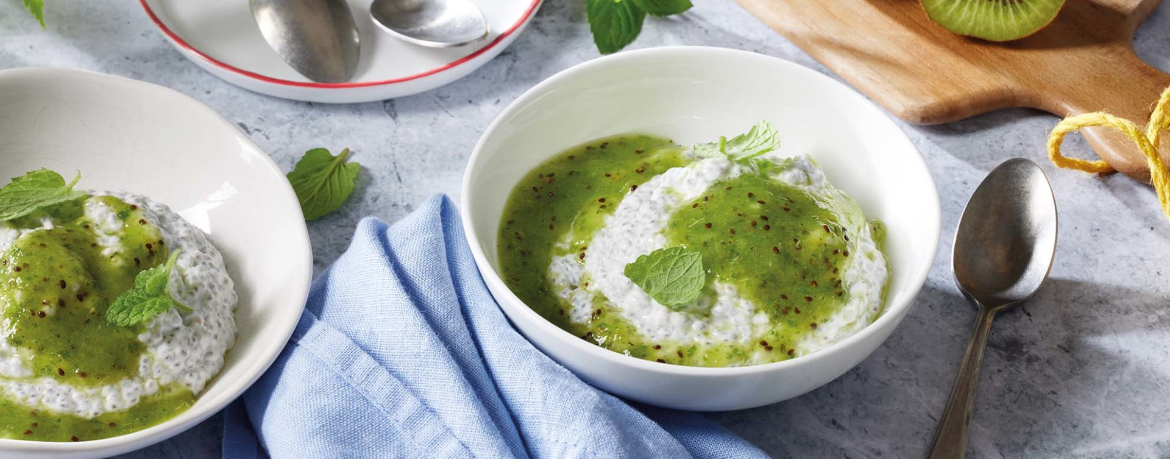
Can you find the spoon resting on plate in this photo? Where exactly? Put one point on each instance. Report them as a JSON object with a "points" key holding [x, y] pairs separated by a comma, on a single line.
{"points": [[1003, 251], [317, 38], [431, 23]]}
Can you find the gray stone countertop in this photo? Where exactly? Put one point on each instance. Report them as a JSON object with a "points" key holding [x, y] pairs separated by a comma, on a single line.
{"points": [[1080, 372]]}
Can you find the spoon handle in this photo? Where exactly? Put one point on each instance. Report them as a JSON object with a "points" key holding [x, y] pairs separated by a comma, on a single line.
{"points": [[950, 440]]}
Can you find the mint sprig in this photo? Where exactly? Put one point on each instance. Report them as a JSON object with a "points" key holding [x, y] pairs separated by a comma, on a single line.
{"points": [[323, 182], [672, 276], [664, 7], [34, 190], [37, 8], [148, 298], [761, 139], [616, 23]]}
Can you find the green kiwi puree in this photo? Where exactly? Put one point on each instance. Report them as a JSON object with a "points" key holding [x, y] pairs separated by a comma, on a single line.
{"points": [[781, 248], [55, 286]]}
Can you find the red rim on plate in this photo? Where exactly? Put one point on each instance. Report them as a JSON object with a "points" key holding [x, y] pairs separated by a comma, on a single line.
{"points": [[182, 43]]}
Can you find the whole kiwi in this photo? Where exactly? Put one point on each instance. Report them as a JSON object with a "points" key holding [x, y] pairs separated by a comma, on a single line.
{"points": [[993, 20]]}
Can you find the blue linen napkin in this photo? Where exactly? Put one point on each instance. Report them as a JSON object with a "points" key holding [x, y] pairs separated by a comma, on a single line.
{"points": [[402, 352]]}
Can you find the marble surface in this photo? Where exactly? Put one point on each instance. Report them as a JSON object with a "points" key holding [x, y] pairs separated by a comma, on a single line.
{"points": [[1080, 372]]}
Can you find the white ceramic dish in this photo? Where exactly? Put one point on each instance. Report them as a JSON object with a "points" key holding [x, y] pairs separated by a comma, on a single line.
{"points": [[127, 135], [693, 95], [221, 37]]}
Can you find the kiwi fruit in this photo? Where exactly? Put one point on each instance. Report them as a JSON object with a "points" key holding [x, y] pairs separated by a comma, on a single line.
{"points": [[993, 20]]}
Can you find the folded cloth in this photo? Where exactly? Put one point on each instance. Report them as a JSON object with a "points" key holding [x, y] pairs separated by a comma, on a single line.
{"points": [[402, 352]]}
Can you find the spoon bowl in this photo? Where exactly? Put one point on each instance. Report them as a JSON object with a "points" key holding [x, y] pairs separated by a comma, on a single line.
{"points": [[431, 23], [1007, 236], [317, 38]]}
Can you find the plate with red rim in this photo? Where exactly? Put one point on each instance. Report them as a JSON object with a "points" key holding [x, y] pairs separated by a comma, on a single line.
{"points": [[221, 37]]}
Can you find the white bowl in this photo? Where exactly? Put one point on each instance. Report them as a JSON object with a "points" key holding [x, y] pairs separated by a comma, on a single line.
{"points": [[222, 37], [695, 95], [127, 135]]}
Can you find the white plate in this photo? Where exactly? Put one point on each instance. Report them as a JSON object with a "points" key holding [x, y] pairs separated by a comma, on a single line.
{"points": [[693, 94], [127, 135], [221, 37]]}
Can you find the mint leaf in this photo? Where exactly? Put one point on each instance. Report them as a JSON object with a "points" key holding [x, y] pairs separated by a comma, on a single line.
{"points": [[614, 23], [37, 8], [34, 190], [673, 276], [323, 182], [663, 7], [148, 298], [761, 139], [136, 306]]}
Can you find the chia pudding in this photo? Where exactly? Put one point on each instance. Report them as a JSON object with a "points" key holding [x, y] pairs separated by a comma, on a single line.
{"points": [[66, 373], [792, 265]]}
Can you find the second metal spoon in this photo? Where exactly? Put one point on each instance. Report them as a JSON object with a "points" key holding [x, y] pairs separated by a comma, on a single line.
{"points": [[433, 23], [1003, 251]]}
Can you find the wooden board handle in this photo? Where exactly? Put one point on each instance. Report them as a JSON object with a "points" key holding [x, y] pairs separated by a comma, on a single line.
{"points": [[1121, 84]]}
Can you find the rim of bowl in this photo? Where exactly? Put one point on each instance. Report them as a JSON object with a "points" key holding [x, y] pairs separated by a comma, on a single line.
{"points": [[891, 312], [170, 428], [174, 37]]}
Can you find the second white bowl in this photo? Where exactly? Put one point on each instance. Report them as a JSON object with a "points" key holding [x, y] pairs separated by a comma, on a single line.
{"points": [[127, 135], [695, 95]]}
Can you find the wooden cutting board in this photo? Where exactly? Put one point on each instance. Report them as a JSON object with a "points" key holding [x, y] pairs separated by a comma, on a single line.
{"points": [[890, 50]]}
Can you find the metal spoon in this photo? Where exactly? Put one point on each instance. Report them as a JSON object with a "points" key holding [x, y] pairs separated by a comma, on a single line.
{"points": [[317, 38], [433, 23], [1003, 252]]}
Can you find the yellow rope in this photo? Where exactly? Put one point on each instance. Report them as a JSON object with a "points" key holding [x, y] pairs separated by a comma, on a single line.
{"points": [[1147, 143]]}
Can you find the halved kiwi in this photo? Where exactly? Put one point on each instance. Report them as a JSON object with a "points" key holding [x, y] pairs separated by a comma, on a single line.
{"points": [[994, 20]]}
